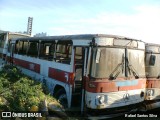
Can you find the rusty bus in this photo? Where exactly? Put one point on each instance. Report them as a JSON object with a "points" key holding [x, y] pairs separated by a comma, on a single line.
{"points": [[152, 65], [107, 72]]}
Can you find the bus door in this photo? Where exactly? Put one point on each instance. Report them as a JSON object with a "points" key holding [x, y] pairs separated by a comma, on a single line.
{"points": [[81, 63], [85, 73]]}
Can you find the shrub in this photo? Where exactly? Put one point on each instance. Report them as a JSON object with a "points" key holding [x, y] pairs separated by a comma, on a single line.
{"points": [[20, 91]]}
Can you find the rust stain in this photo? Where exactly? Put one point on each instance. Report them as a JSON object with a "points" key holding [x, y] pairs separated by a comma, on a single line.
{"points": [[153, 83], [107, 86]]}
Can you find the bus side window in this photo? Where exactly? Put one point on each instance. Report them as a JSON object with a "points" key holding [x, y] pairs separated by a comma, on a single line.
{"points": [[78, 64], [63, 53], [47, 51], [33, 49], [16, 48], [78, 53], [152, 60], [20, 47], [23, 45]]}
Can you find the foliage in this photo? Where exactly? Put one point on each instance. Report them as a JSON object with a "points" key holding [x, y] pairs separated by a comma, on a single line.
{"points": [[20, 91]]}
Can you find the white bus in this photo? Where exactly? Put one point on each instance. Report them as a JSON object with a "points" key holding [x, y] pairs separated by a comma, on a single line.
{"points": [[5, 37], [106, 73], [152, 65]]}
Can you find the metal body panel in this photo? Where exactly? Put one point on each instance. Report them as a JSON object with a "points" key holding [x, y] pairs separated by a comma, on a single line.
{"points": [[114, 99]]}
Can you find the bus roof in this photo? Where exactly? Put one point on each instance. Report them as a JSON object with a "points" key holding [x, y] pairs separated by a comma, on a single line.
{"points": [[13, 33], [152, 44], [78, 36]]}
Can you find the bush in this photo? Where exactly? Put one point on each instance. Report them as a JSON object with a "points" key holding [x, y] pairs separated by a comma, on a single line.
{"points": [[20, 91]]}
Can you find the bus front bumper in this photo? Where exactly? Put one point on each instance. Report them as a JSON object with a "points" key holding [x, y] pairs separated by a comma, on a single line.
{"points": [[111, 112]]}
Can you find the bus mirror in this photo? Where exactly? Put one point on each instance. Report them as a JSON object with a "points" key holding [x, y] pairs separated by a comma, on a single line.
{"points": [[98, 55], [152, 60]]}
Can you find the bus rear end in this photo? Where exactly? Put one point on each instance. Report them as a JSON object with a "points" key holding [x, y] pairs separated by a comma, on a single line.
{"points": [[116, 81]]}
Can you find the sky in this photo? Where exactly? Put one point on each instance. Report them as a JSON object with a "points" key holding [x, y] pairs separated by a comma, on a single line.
{"points": [[139, 19]]}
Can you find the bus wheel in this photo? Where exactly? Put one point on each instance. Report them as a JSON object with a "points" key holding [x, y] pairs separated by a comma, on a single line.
{"points": [[62, 97]]}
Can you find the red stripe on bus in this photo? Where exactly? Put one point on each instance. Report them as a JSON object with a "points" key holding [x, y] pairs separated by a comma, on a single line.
{"points": [[153, 83], [28, 65], [110, 86], [60, 75]]}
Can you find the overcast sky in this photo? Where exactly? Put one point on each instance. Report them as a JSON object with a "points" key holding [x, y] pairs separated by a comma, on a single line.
{"points": [[138, 19]]}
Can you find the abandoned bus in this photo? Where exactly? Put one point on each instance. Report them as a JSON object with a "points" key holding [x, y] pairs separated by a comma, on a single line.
{"points": [[152, 58], [106, 71], [5, 38]]}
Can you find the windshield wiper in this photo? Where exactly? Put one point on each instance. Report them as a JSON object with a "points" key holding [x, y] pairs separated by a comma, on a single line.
{"points": [[120, 67], [131, 69], [128, 67], [117, 70]]}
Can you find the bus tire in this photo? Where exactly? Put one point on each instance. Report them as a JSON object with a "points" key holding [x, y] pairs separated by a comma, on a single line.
{"points": [[61, 96]]}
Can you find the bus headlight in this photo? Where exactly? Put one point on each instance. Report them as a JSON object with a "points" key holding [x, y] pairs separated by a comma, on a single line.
{"points": [[100, 99], [150, 92]]}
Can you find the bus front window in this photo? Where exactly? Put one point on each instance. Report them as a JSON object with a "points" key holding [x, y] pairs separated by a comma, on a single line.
{"points": [[110, 63], [105, 60]]}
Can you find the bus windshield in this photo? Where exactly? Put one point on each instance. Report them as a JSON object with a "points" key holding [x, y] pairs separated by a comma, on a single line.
{"points": [[110, 62]]}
